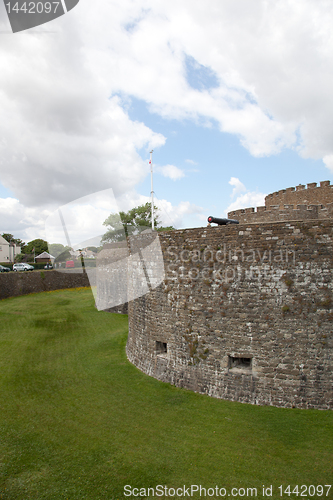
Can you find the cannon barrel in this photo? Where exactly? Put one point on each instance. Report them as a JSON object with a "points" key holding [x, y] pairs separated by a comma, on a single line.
{"points": [[222, 222]]}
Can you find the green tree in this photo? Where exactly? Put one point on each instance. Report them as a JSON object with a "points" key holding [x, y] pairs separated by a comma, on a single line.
{"points": [[93, 249], [10, 238], [39, 245], [63, 256], [20, 257], [132, 222], [56, 249]]}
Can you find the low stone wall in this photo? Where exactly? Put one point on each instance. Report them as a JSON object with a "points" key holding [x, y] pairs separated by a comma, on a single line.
{"points": [[21, 283]]}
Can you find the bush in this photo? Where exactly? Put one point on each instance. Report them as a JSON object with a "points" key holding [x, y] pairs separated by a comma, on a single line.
{"points": [[21, 257], [38, 265], [7, 264]]}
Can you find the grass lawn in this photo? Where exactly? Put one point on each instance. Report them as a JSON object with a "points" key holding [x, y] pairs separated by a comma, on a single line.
{"points": [[78, 421]]}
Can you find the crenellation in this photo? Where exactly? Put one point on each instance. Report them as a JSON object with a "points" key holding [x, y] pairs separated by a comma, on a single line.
{"points": [[298, 203]]}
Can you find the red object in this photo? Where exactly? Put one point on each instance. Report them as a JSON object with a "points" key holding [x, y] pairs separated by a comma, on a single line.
{"points": [[70, 263]]}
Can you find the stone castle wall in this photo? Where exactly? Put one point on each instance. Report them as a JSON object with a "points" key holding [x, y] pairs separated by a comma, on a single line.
{"points": [[244, 313], [312, 195], [291, 204]]}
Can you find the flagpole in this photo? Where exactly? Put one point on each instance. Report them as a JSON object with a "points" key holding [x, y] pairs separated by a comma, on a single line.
{"points": [[152, 189]]}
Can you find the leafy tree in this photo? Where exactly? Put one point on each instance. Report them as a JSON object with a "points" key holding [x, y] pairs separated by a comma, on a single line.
{"points": [[132, 222], [10, 238], [39, 245], [63, 256], [56, 249], [165, 228], [20, 257]]}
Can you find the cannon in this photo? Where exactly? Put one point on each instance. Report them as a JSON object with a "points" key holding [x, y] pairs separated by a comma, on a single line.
{"points": [[222, 222]]}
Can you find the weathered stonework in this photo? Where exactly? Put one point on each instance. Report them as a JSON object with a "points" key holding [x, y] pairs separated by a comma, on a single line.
{"points": [[244, 313]]}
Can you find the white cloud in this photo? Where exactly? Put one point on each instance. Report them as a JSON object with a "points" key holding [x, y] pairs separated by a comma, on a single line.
{"points": [[61, 134], [238, 186], [171, 171], [192, 162], [328, 161], [26, 223], [272, 61], [84, 217], [246, 200], [182, 215]]}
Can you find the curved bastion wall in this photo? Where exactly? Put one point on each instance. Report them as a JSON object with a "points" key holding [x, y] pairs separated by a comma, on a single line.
{"points": [[244, 313]]}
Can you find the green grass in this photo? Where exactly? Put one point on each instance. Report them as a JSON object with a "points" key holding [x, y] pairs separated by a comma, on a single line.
{"points": [[78, 421]]}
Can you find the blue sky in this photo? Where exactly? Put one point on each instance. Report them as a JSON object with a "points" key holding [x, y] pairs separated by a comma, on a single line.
{"points": [[235, 100]]}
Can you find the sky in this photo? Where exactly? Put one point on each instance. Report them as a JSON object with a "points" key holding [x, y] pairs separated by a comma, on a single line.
{"points": [[234, 97]]}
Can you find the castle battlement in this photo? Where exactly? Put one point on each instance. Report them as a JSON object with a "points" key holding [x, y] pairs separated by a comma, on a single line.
{"points": [[310, 195], [275, 214], [293, 203]]}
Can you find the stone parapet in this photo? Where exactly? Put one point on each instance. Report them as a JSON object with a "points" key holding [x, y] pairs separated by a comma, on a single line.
{"points": [[312, 195], [288, 213]]}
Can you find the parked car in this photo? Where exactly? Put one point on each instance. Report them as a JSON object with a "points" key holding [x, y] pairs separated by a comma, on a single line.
{"points": [[48, 266], [70, 263], [22, 266], [4, 269]]}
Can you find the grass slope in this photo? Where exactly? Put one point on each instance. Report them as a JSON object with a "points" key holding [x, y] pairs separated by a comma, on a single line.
{"points": [[78, 421]]}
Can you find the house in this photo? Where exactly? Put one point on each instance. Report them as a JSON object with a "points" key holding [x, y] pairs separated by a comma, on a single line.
{"points": [[87, 254], [45, 257], [8, 251]]}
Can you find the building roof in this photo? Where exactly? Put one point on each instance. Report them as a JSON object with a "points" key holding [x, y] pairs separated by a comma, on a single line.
{"points": [[3, 241], [45, 255]]}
